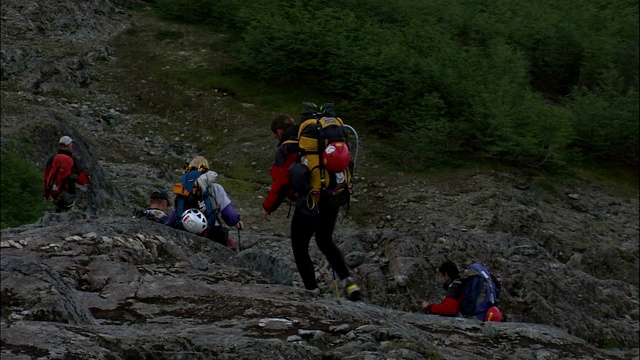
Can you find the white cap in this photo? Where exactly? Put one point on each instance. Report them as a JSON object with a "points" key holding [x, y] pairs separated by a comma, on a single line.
{"points": [[65, 140]]}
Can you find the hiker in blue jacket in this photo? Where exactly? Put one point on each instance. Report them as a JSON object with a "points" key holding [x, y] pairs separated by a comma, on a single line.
{"points": [[216, 204]]}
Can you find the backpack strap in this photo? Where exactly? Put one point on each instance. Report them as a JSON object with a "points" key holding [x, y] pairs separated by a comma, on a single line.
{"points": [[296, 142], [346, 212], [491, 289], [52, 178], [323, 180], [214, 205]]}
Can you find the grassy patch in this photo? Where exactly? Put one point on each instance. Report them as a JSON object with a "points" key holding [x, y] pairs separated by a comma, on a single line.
{"points": [[547, 185], [238, 188], [169, 35], [271, 98], [247, 173], [616, 180], [132, 31]]}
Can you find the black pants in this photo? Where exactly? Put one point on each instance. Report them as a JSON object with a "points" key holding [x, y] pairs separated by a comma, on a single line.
{"points": [[219, 234], [65, 200], [302, 229]]}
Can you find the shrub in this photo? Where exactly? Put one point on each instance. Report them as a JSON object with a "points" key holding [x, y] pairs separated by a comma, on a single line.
{"points": [[530, 83], [21, 187]]}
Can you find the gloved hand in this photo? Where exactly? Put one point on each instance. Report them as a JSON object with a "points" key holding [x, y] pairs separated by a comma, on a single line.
{"points": [[207, 179], [203, 207], [240, 225]]}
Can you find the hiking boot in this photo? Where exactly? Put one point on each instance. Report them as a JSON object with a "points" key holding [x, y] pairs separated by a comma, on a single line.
{"points": [[351, 290], [315, 292], [232, 245]]}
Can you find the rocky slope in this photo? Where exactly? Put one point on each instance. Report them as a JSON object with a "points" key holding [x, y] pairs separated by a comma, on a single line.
{"points": [[112, 288], [107, 286]]}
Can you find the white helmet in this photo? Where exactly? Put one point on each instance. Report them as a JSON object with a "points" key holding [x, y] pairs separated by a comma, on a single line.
{"points": [[194, 221]]}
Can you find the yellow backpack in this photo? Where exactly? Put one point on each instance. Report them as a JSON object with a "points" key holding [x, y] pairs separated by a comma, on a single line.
{"points": [[313, 182]]}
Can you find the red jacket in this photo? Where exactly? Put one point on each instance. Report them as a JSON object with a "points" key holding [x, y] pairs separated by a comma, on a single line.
{"points": [[57, 172], [451, 302], [281, 188]]}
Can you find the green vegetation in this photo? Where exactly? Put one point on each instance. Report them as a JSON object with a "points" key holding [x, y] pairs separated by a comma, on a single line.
{"points": [[169, 35], [542, 84], [21, 187]]}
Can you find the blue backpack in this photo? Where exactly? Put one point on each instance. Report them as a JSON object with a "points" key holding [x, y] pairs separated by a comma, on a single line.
{"points": [[480, 291], [188, 195]]}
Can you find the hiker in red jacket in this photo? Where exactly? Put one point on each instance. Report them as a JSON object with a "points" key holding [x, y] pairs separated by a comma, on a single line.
{"points": [[453, 285], [61, 174], [285, 131], [303, 227]]}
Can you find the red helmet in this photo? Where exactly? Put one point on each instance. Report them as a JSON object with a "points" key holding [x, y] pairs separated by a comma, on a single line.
{"points": [[336, 157], [493, 314]]}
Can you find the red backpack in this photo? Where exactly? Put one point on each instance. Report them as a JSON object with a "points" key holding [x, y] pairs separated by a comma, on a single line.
{"points": [[58, 173]]}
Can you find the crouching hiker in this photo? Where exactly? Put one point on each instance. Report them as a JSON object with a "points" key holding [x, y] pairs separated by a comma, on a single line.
{"points": [[201, 205], [452, 284], [157, 207], [475, 295]]}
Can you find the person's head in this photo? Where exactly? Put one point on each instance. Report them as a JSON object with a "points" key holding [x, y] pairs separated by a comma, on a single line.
{"points": [[65, 143], [280, 124], [159, 199], [199, 163], [449, 270]]}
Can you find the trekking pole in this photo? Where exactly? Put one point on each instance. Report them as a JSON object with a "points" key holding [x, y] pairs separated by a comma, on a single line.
{"points": [[335, 283], [239, 246]]}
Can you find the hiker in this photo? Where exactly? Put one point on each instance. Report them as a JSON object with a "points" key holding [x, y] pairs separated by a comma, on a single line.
{"points": [[453, 286], [61, 174], [210, 199], [284, 129], [157, 207], [303, 224]]}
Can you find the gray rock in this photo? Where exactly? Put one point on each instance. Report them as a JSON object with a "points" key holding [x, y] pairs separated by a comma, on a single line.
{"points": [[355, 258], [199, 261]]}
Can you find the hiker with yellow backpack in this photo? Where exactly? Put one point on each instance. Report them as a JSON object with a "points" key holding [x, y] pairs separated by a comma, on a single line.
{"points": [[299, 169], [285, 130]]}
